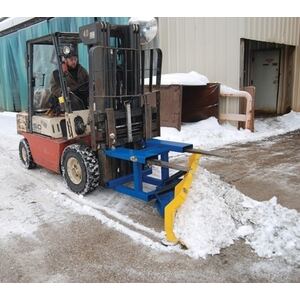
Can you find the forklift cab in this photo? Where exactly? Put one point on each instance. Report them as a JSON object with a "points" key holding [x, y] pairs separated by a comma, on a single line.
{"points": [[45, 56], [122, 110]]}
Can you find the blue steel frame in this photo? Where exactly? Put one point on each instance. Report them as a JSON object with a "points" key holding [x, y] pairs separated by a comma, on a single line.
{"points": [[141, 172]]}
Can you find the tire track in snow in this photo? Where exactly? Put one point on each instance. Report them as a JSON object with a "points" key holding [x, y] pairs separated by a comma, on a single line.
{"points": [[86, 203], [140, 238], [113, 219], [116, 215]]}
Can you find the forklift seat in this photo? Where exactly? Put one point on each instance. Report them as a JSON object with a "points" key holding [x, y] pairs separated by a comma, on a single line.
{"points": [[40, 99]]}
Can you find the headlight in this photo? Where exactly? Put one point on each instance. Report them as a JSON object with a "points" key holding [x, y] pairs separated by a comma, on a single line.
{"points": [[148, 28], [66, 50], [79, 125]]}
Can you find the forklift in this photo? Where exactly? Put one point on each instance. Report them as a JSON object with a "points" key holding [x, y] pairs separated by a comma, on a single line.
{"points": [[112, 143]]}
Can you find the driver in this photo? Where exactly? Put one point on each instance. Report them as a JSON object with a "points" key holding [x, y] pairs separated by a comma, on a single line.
{"points": [[77, 81]]}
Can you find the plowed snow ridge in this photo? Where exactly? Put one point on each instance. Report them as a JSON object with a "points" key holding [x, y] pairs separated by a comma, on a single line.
{"points": [[215, 214]]}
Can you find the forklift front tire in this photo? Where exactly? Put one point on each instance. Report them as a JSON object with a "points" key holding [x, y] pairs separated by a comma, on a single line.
{"points": [[25, 154], [80, 169]]}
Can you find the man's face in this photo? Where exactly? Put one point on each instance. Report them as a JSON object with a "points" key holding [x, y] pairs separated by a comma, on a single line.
{"points": [[72, 62]]}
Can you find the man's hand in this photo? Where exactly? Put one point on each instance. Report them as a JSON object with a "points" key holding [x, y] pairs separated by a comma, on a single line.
{"points": [[64, 67]]}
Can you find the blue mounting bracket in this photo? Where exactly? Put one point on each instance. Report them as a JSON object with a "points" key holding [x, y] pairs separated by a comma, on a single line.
{"points": [[132, 184]]}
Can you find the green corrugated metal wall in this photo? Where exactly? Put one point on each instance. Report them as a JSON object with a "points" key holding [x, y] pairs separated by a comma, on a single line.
{"points": [[13, 73]]}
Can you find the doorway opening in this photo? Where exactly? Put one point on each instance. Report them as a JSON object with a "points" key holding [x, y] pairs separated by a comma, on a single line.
{"points": [[268, 67]]}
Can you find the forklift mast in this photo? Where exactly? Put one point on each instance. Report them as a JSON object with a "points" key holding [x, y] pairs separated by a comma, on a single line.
{"points": [[123, 111]]}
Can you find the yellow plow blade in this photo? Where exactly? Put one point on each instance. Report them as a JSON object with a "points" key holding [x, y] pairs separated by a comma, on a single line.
{"points": [[180, 194]]}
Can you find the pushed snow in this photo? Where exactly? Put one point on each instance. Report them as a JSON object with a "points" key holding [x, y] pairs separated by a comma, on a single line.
{"points": [[215, 214], [209, 134]]}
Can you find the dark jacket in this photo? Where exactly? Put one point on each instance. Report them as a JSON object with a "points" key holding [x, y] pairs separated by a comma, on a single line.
{"points": [[72, 82]]}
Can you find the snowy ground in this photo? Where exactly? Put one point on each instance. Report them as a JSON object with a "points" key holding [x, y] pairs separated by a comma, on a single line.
{"points": [[209, 134], [27, 194]]}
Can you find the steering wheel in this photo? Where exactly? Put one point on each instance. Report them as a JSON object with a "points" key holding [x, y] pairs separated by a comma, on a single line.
{"points": [[76, 102]]}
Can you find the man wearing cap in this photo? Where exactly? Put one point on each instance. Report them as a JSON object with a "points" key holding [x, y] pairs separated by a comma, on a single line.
{"points": [[77, 79]]}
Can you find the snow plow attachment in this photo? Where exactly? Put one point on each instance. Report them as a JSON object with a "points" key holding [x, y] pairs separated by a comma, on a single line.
{"points": [[180, 194], [169, 192]]}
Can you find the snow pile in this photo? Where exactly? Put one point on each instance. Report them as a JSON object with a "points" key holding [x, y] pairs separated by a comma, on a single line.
{"points": [[215, 214], [204, 222], [209, 134]]}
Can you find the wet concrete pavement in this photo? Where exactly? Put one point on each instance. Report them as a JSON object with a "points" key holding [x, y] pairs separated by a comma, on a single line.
{"points": [[263, 169]]}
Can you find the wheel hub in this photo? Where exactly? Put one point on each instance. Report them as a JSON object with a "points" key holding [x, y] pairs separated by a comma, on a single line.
{"points": [[24, 154], [74, 170]]}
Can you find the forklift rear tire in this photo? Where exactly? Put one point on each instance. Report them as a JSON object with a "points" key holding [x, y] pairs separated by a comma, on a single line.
{"points": [[80, 169], [25, 154]]}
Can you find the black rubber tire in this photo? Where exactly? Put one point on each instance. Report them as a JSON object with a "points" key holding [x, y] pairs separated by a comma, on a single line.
{"points": [[25, 154], [90, 175]]}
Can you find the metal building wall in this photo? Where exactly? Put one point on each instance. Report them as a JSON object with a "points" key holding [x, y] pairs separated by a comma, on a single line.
{"points": [[211, 46], [276, 30]]}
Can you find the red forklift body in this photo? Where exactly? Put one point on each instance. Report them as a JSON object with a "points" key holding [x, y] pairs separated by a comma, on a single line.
{"points": [[46, 151]]}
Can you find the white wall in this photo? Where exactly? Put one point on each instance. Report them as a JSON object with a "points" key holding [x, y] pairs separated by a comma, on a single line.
{"points": [[211, 46]]}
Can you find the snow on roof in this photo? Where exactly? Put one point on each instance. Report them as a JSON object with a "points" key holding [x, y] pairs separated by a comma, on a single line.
{"points": [[12, 22], [191, 78]]}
